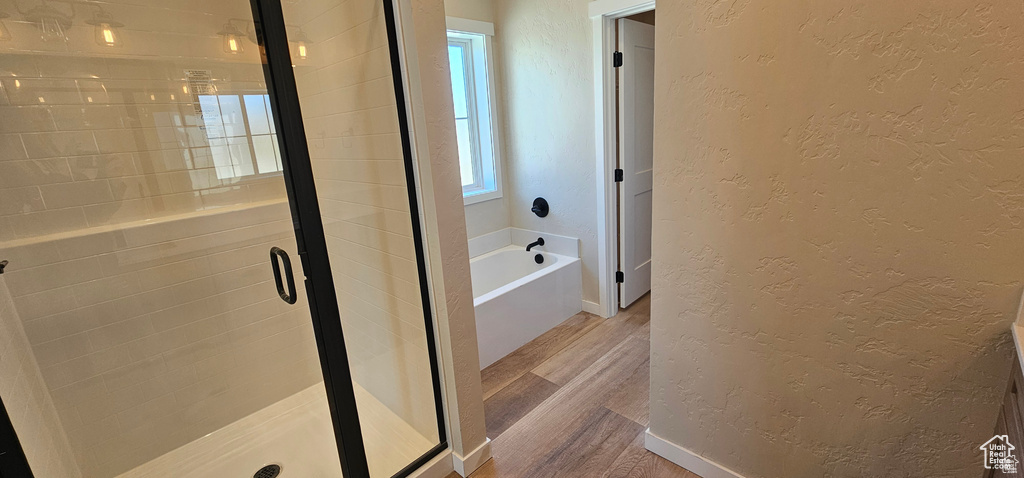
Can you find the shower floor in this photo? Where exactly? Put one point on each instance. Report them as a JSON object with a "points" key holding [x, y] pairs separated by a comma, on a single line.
{"points": [[297, 434]]}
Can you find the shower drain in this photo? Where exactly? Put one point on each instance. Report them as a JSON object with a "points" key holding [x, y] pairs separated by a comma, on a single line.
{"points": [[269, 471]]}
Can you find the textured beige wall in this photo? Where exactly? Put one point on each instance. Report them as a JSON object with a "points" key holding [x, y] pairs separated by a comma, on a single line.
{"points": [[445, 222], [837, 232], [488, 216], [479, 10], [548, 93]]}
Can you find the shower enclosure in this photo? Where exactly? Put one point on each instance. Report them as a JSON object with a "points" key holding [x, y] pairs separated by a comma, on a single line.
{"points": [[215, 262]]}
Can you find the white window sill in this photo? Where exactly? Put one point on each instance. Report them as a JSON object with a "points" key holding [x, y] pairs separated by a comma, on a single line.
{"points": [[480, 196]]}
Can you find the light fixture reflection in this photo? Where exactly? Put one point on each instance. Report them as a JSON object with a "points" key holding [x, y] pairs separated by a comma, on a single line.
{"points": [[107, 31], [53, 25], [232, 39], [301, 46]]}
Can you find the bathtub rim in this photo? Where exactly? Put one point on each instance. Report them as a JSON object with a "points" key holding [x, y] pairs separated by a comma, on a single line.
{"points": [[563, 261]]}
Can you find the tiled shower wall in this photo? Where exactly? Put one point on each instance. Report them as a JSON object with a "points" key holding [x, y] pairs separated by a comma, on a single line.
{"points": [[350, 116], [141, 279], [27, 401], [151, 336], [88, 142]]}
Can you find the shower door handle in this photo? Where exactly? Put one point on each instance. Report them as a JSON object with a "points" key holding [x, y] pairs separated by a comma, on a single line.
{"points": [[288, 296]]}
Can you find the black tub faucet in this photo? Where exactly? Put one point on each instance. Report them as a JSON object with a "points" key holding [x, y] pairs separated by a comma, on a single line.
{"points": [[540, 242]]}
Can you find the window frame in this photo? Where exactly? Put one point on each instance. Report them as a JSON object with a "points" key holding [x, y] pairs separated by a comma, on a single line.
{"points": [[482, 111]]}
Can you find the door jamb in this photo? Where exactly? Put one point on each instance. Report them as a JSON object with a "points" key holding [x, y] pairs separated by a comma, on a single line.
{"points": [[603, 14]]}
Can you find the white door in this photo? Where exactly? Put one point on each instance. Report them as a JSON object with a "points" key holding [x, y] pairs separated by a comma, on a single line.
{"points": [[636, 157]]}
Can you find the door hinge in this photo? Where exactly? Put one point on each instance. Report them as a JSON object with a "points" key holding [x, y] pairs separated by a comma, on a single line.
{"points": [[616, 59], [619, 277], [618, 175]]}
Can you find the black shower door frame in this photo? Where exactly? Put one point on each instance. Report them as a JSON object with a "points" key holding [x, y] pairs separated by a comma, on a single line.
{"points": [[311, 240], [312, 249]]}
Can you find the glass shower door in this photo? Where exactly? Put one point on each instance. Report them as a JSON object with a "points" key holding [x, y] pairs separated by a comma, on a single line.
{"points": [[351, 114], [155, 199], [141, 191]]}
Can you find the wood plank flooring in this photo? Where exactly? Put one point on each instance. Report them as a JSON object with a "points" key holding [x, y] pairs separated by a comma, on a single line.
{"points": [[574, 402]]}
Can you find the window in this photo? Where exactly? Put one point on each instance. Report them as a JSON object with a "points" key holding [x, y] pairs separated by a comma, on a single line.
{"points": [[241, 135], [468, 55]]}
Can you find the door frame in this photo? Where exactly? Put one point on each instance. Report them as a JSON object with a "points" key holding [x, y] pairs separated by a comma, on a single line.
{"points": [[603, 14]]}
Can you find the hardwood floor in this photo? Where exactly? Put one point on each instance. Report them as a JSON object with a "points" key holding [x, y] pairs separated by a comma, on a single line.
{"points": [[573, 402]]}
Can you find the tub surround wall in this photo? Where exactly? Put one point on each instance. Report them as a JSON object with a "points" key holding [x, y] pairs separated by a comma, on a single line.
{"points": [[837, 233], [563, 245], [492, 241], [27, 399], [488, 216]]}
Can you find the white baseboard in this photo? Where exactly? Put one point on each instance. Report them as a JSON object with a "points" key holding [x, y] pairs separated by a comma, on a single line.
{"points": [[468, 464], [592, 307], [686, 458], [438, 467]]}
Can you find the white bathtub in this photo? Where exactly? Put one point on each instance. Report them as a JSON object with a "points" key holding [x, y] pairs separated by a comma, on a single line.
{"points": [[516, 299]]}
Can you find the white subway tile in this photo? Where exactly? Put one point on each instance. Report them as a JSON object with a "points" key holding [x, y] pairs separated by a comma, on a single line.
{"points": [[20, 200], [14, 174], [11, 147], [63, 143], [85, 168], [47, 222], [78, 193]]}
